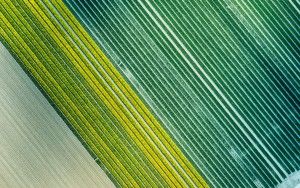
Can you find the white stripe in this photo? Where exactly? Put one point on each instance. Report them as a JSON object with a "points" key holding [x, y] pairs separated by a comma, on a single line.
{"points": [[210, 89], [293, 4]]}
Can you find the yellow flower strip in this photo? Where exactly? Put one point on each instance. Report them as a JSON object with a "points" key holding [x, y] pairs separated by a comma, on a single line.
{"points": [[103, 84]]}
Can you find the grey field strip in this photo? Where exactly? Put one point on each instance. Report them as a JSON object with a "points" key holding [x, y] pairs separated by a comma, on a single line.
{"points": [[37, 147]]}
